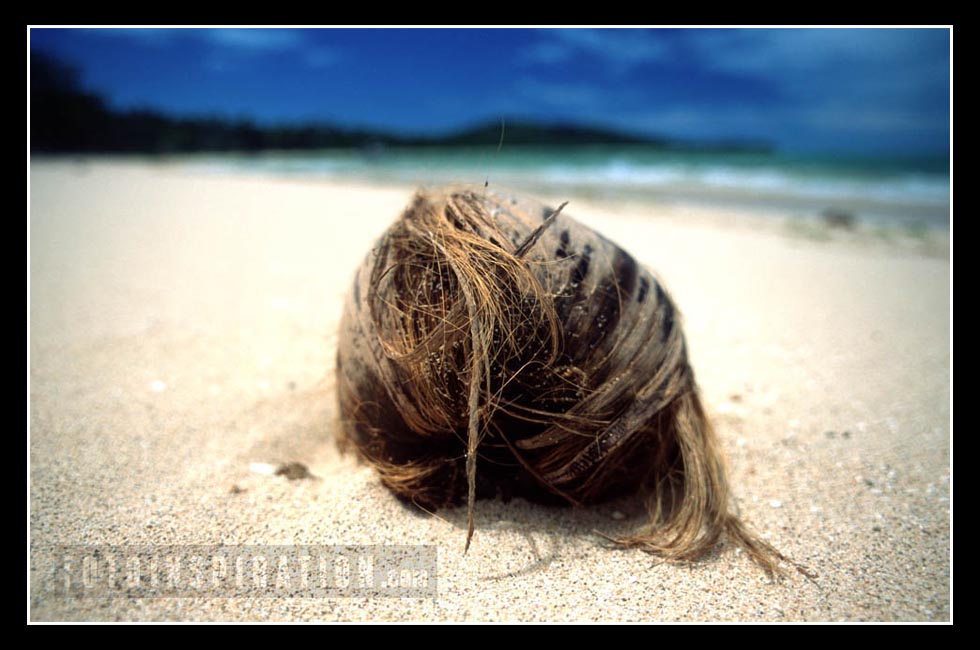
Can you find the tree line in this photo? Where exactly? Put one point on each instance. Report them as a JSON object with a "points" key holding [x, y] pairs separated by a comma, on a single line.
{"points": [[67, 118]]}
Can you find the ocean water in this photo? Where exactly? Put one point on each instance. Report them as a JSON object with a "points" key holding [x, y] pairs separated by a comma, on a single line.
{"points": [[909, 190]]}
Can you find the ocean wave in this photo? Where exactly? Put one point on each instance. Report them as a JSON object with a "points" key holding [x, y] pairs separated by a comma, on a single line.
{"points": [[776, 181], [920, 188]]}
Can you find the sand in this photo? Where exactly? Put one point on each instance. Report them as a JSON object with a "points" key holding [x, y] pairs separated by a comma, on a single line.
{"points": [[183, 329]]}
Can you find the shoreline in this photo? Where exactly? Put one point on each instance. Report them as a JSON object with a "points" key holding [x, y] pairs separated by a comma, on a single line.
{"points": [[183, 333], [721, 185], [912, 234]]}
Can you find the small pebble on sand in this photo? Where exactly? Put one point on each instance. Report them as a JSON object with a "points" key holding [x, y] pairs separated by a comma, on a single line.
{"points": [[265, 469], [294, 471]]}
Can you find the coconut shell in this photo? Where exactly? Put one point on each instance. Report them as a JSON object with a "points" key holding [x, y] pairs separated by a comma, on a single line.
{"points": [[492, 345]]}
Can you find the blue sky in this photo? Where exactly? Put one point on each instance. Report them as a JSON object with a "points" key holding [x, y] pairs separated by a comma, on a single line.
{"points": [[858, 90]]}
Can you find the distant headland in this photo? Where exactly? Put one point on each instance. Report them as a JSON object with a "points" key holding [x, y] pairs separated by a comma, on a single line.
{"points": [[67, 118]]}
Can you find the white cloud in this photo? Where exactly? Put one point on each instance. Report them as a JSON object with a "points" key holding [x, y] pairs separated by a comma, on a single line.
{"points": [[255, 40], [230, 46], [874, 73], [622, 49], [149, 36], [795, 50]]}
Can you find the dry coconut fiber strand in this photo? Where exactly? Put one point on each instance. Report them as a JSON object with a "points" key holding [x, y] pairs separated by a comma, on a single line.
{"points": [[491, 345]]}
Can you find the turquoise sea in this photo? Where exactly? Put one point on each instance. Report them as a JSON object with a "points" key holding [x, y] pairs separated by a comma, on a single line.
{"points": [[910, 190]]}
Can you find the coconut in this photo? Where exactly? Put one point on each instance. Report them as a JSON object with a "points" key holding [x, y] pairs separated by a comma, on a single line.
{"points": [[491, 345]]}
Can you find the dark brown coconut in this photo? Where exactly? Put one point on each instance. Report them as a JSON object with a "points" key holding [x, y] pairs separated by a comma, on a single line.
{"points": [[491, 345]]}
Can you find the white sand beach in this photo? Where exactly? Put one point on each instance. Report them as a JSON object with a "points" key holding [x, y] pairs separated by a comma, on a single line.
{"points": [[183, 328]]}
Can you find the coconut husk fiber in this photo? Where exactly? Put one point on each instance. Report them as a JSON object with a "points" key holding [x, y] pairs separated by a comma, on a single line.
{"points": [[491, 345]]}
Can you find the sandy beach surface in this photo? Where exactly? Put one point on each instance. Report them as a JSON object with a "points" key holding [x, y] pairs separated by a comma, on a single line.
{"points": [[183, 337]]}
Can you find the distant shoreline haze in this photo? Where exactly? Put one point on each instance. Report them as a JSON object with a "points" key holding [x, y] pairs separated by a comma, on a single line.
{"points": [[67, 118]]}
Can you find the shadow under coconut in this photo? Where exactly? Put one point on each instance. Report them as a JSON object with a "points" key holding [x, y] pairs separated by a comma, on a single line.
{"points": [[540, 533]]}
